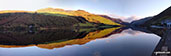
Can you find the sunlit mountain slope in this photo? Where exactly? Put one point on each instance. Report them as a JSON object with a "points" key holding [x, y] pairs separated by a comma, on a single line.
{"points": [[88, 16]]}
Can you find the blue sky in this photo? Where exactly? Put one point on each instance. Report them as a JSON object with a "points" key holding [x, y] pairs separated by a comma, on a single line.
{"points": [[144, 7], [126, 8]]}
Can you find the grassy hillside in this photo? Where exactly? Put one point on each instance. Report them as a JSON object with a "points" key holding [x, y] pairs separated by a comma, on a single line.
{"points": [[65, 13], [25, 20], [88, 16], [156, 20]]}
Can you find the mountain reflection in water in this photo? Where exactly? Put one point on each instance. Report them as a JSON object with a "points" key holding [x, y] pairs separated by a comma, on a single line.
{"points": [[50, 39], [118, 41]]}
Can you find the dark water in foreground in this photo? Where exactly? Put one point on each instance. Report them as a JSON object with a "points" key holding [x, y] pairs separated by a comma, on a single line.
{"points": [[106, 42]]}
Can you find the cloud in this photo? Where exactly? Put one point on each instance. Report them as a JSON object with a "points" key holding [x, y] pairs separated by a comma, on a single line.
{"points": [[126, 19], [132, 18], [131, 32], [116, 16]]}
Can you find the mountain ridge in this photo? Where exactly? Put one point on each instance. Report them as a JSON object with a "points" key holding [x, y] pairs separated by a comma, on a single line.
{"points": [[88, 16], [156, 20]]}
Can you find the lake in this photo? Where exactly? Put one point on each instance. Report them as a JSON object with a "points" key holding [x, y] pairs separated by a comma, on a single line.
{"points": [[83, 42]]}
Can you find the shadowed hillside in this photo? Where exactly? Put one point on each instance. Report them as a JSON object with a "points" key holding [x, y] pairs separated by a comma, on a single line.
{"points": [[34, 20], [156, 20]]}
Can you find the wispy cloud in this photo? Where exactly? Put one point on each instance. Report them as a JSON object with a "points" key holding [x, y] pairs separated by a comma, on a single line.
{"points": [[126, 19], [131, 18]]}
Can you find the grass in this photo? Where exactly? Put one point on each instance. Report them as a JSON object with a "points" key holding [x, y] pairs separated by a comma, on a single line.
{"points": [[62, 15]]}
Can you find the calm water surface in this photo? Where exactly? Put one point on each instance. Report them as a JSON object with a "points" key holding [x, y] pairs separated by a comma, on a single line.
{"points": [[116, 43]]}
